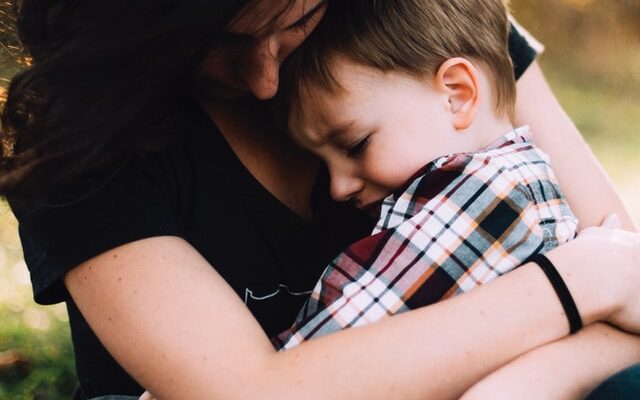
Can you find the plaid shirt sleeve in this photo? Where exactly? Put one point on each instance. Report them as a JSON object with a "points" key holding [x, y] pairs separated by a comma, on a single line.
{"points": [[467, 220]]}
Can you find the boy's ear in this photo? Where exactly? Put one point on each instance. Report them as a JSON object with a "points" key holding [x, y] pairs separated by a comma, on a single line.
{"points": [[458, 77]]}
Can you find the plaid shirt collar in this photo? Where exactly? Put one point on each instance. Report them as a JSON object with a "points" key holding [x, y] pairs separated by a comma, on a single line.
{"points": [[411, 199]]}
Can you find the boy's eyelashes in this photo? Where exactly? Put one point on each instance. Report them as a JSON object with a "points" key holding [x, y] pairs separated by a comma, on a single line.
{"points": [[356, 149]]}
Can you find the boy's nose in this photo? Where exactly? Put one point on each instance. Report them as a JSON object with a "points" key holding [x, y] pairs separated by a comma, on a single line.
{"points": [[344, 187]]}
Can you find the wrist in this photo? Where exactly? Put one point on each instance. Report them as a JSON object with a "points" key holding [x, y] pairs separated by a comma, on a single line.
{"points": [[587, 280], [562, 291]]}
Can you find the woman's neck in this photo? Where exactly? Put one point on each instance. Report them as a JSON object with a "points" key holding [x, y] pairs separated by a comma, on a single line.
{"points": [[269, 155]]}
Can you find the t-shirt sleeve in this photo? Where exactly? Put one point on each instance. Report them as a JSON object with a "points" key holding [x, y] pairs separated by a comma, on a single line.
{"points": [[523, 48], [91, 216]]}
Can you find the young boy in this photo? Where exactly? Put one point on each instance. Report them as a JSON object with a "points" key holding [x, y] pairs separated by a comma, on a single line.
{"points": [[408, 103]]}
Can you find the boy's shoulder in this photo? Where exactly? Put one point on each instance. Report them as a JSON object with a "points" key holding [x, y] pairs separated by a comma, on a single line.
{"points": [[512, 156], [514, 147], [505, 168]]}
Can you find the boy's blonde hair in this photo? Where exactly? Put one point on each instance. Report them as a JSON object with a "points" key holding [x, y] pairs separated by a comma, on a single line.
{"points": [[411, 36]]}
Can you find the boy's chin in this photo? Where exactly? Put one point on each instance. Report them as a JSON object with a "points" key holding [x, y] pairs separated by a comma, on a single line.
{"points": [[373, 209]]}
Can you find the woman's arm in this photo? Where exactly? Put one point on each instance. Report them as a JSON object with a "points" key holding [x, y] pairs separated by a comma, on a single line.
{"points": [[180, 330], [565, 370], [585, 184]]}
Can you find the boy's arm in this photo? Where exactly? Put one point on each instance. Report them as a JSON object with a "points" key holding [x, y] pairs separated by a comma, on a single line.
{"points": [[563, 370]]}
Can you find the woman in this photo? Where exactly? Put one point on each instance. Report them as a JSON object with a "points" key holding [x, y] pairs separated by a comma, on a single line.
{"points": [[145, 214]]}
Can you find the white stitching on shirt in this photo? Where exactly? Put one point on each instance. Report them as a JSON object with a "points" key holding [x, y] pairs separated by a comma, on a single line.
{"points": [[248, 293]]}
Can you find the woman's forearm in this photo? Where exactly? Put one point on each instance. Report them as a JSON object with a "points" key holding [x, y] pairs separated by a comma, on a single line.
{"points": [[177, 328], [441, 350], [564, 370], [584, 182], [473, 334]]}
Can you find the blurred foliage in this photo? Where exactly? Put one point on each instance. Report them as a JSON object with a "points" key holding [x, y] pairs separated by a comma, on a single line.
{"points": [[596, 42], [592, 60], [38, 360], [36, 356]]}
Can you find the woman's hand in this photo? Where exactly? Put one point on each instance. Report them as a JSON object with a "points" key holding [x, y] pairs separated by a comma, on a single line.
{"points": [[621, 249], [607, 288]]}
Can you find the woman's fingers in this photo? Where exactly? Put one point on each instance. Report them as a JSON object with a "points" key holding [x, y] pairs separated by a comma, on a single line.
{"points": [[610, 259], [622, 262], [613, 221], [146, 396], [610, 224], [629, 244]]}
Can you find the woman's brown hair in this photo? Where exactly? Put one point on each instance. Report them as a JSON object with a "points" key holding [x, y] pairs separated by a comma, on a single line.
{"points": [[107, 81]]}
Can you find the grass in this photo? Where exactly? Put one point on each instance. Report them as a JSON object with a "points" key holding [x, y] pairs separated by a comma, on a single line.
{"points": [[39, 359], [36, 357]]}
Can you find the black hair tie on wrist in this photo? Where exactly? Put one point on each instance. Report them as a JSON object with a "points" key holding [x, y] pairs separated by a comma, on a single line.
{"points": [[570, 308]]}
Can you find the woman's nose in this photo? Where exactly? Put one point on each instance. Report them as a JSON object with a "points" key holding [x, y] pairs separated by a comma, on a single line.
{"points": [[344, 186], [261, 76]]}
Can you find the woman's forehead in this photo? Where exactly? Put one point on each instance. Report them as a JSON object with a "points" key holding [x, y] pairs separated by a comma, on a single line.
{"points": [[261, 16]]}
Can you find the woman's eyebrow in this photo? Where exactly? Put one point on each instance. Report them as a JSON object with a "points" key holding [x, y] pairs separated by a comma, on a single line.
{"points": [[308, 15]]}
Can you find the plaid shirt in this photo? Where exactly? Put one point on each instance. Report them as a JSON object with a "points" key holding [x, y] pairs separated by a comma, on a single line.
{"points": [[466, 219]]}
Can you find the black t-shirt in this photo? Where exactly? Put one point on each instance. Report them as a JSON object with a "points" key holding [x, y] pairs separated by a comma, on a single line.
{"points": [[196, 189]]}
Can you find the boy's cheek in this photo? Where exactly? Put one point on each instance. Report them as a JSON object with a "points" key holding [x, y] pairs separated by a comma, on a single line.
{"points": [[390, 174]]}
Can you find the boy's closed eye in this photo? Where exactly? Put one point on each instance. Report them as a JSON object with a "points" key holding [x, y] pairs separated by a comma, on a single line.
{"points": [[357, 149]]}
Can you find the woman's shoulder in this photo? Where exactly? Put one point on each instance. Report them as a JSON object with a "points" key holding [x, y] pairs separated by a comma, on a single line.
{"points": [[143, 196], [86, 217]]}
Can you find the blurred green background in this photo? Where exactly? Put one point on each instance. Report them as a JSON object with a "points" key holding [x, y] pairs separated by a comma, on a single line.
{"points": [[592, 60]]}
